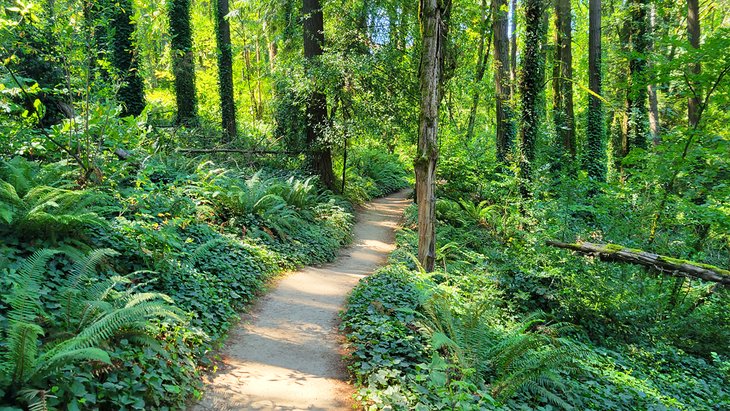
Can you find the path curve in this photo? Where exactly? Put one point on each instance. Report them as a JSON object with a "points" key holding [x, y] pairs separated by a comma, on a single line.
{"points": [[285, 355]]}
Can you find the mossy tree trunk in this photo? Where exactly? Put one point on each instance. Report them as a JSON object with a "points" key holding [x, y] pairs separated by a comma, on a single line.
{"points": [[637, 94], [320, 152], [183, 62], [434, 17], [531, 85], [125, 61], [505, 117], [563, 116], [225, 70], [594, 158]]}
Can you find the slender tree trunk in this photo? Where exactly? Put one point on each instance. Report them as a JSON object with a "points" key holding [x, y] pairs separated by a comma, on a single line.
{"points": [[513, 50], [693, 32], [225, 70], [320, 152], [482, 58], [505, 124], [531, 86], [638, 113], [183, 62], [562, 80], [434, 16], [124, 60], [651, 88], [595, 158], [270, 44]]}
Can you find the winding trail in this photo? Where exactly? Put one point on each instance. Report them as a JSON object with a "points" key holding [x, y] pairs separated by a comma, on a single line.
{"points": [[285, 355]]}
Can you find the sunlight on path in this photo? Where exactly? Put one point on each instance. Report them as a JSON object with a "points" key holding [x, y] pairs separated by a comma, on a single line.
{"points": [[285, 355]]}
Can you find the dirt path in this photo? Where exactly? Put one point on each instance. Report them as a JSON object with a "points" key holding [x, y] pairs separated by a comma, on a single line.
{"points": [[285, 355]]}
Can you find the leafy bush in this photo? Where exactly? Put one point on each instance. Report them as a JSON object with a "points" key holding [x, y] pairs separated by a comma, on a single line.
{"points": [[373, 173]]}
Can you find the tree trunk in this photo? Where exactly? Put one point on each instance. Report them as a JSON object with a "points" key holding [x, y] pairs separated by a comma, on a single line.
{"points": [[651, 88], [434, 15], [638, 114], [320, 152], [531, 85], [124, 60], [482, 58], [595, 158], [505, 125], [183, 62], [513, 50], [614, 252], [562, 80], [225, 70], [693, 33]]}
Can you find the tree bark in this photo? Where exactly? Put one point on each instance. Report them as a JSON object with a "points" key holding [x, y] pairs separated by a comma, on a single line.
{"points": [[481, 68], [434, 16], [651, 88], [595, 151], [124, 59], [225, 70], [613, 252], [183, 62], [531, 85], [693, 33], [321, 155], [638, 113], [505, 125], [563, 116], [513, 50]]}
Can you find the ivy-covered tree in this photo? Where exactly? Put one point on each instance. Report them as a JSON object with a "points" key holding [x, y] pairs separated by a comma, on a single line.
{"points": [[531, 85], [594, 158], [504, 114], [225, 69], [125, 61], [183, 62], [563, 116], [637, 96]]}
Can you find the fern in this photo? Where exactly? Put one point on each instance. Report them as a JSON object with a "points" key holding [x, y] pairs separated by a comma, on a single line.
{"points": [[95, 311], [45, 210]]}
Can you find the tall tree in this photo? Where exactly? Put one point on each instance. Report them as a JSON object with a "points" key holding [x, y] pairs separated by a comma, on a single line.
{"points": [[637, 93], [594, 158], [504, 114], [531, 85], [225, 69], [482, 57], [693, 33], [124, 59], [513, 48], [320, 152], [651, 88], [183, 62], [434, 17], [563, 116]]}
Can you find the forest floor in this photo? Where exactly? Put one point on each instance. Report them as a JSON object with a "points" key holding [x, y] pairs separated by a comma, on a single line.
{"points": [[286, 353]]}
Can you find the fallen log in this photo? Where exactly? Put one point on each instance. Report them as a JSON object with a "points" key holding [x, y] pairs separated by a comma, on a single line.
{"points": [[235, 150], [614, 252]]}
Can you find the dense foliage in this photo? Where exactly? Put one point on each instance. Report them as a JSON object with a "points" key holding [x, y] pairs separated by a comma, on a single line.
{"points": [[125, 257], [506, 322]]}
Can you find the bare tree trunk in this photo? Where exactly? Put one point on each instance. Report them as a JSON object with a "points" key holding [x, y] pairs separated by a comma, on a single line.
{"points": [[693, 32], [562, 80], [321, 155], [434, 16], [482, 58], [505, 125]]}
